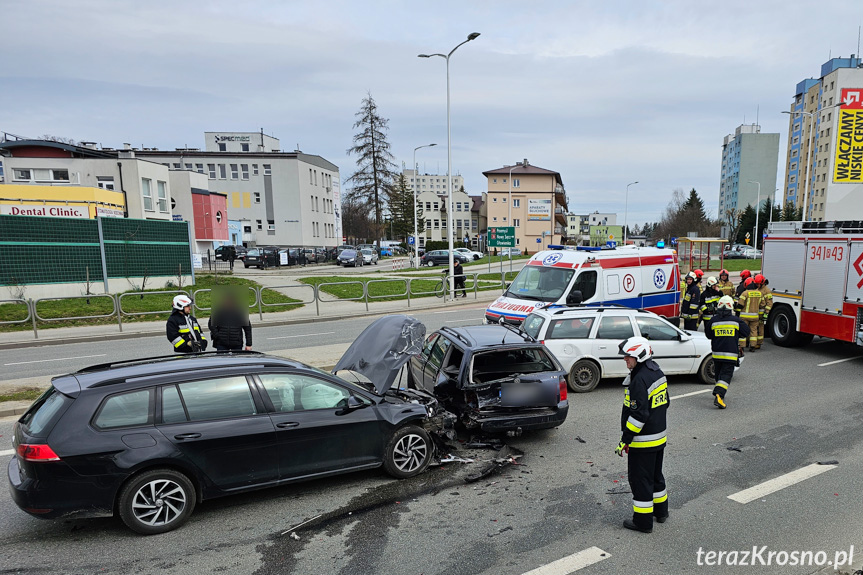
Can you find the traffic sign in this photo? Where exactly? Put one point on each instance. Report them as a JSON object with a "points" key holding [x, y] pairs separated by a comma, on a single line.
{"points": [[503, 237], [411, 240], [539, 240], [611, 244], [746, 239]]}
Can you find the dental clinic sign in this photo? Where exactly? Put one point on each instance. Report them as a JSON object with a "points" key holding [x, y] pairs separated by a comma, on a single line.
{"points": [[45, 211]]}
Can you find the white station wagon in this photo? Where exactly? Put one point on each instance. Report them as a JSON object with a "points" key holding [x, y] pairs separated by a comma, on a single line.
{"points": [[585, 340]]}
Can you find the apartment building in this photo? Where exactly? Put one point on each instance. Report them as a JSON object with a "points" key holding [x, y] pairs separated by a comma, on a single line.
{"points": [[747, 156]]}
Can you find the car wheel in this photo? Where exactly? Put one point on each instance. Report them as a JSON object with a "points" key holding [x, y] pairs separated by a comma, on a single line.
{"points": [[156, 501], [783, 331], [408, 452], [246, 266], [707, 371], [584, 376]]}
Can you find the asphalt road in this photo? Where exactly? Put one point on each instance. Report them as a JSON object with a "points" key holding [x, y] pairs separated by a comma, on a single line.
{"points": [[787, 410]]}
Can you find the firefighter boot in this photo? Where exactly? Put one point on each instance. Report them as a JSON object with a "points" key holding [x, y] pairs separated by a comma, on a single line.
{"points": [[630, 524], [719, 402]]}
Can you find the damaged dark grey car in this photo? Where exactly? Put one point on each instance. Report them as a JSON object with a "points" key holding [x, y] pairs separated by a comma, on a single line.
{"points": [[493, 377]]}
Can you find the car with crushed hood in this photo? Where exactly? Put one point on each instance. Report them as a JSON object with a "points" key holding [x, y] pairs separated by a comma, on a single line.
{"points": [[495, 378], [150, 439]]}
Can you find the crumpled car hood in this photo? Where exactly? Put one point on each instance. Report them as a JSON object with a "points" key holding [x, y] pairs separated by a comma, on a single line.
{"points": [[383, 348]]}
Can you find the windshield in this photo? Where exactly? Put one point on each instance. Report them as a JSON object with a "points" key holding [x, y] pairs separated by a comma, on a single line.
{"points": [[252, 253], [540, 283], [532, 325]]}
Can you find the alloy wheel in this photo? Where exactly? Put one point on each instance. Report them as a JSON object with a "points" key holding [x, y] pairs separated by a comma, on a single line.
{"points": [[159, 502], [409, 453]]}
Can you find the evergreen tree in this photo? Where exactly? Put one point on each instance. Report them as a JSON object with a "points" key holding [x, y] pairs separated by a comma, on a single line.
{"points": [[401, 202], [695, 206], [747, 225], [373, 180], [791, 213]]}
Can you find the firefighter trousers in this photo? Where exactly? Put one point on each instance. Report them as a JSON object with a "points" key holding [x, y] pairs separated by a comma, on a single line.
{"points": [[724, 370], [756, 333], [649, 496], [690, 324]]}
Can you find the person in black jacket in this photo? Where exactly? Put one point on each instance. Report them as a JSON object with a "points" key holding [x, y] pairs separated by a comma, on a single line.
{"points": [[691, 303], [725, 331], [182, 328], [229, 323], [458, 274], [642, 422]]}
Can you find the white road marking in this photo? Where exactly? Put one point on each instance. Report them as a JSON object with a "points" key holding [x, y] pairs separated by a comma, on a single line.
{"points": [[56, 359], [303, 335], [464, 319], [691, 393], [781, 482], [7, 452], [572, 563], [840, 361]]}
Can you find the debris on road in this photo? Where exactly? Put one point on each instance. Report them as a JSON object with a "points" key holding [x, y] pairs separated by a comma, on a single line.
{"points": [[450, 458], [831, 462], [295, 527], [505, 456], [579, 439]]}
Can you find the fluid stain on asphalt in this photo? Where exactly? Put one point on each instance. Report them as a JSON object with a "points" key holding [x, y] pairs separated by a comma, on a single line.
{"points": [[378, 511]]}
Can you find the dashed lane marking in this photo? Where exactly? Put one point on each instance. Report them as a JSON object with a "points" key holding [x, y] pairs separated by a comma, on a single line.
{"points": [[691, 393], [56, 359], [572, 563], [7, 452], [840, 361], [302, 335], [781, 482]]}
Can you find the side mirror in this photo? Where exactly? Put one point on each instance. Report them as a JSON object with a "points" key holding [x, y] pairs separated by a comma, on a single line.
{"points": [[353, 403], [574, 297]]}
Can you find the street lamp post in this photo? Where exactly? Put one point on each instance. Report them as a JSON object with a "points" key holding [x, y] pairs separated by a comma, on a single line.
{"points": [[450, 231], [416, 226], [757, 212], [626, 211]]}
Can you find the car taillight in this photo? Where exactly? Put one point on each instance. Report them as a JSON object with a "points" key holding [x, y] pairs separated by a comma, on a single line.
{"points": [[36, 452], [542, 342], [562, 388]]}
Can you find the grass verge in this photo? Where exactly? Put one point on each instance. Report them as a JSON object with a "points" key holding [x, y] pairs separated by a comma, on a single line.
{"points": [[350, 288], [153, 304], [23, 394]]}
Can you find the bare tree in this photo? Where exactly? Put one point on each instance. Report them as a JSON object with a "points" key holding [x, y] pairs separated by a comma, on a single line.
{"points": [[372, 181]]}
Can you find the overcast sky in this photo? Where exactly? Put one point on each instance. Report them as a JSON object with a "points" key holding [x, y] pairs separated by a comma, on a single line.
{"points": [[605, 93]]}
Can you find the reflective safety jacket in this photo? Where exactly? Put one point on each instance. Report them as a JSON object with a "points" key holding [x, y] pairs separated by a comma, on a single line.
{"points": [[726, 288], [767, 299], [709, 299], [750, 304], [740, 288], [645, 402], [725, 330], [184, 333], [691, 302]]}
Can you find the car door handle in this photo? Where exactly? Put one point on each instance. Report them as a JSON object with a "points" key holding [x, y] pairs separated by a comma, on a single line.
{"points": [[603, 346], [187, 436], [287, 424]]}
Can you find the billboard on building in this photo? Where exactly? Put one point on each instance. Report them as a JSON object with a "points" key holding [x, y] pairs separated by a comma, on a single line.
{"points": [[601, 235], [538, 210], [848, 159]]}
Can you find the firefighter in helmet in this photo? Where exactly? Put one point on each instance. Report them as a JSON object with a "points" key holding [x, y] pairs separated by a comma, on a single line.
{"points": [[750, 304], [642, 423], [699, 275], [766, 301], [725, 331], [691, 302], [182, 328], [741, 287], [709, 298], [725, 286]]}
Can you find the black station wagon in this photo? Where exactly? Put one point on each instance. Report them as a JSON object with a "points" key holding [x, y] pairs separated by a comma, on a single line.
{"points": [[150, 439]]}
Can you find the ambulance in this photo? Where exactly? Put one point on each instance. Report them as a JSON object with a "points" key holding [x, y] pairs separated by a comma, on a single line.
{"points": [[629, 276]]}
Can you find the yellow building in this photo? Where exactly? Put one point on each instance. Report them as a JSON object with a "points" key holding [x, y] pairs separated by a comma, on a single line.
{"points": [[530, 199], [60, 201]]}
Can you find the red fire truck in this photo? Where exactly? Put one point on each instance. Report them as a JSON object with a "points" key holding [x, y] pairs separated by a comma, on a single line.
{"points": [[816, 272]]}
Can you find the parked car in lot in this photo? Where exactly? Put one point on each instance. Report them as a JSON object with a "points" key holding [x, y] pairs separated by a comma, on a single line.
{"points": [[149, 439], [223, 252], [509, 252], [732, 255], [369, 256], [493, 377], [441, 258], [470, 254], [585, 342], [751, 253], [262, 257], [350, 258], [339, 249]]}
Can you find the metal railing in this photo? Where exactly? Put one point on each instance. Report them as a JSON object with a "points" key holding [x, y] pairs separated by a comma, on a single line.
{"points": [[316, 296]]}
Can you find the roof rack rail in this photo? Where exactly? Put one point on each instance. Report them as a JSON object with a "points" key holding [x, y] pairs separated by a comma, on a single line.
{"points": [[599, 308], [456, 334], [517, 330], [140, 361]]}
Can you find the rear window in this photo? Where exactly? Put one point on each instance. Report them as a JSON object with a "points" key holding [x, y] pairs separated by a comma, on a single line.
{"points": [[126, 410], [494, 365], [574, 328], [44, 413]]}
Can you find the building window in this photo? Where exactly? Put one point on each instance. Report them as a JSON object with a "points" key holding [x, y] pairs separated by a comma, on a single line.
{"points": [[516, 203], [795, 141], [494, 200], [199, 168], [503, 200], [212, 169], [219, 217], [257, 197], [517, 241], [316, 177], [793, 166], [162, 190], [235, 174], [494, 181], [177, 166], [494, 219], [223, 147], [188, 167], [21, 175], [437, 224], [271, 225], [105, 182], [474, 224], [516, 182], [260, 224], [428, 224], [244, 147], [245, 169], [516, 222], [504, 218], [794, 153], [503, 181], [268, 170], [147, 193], [436, 206], [223, 174], [254, 169], [310, 176], [428, 206]]}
